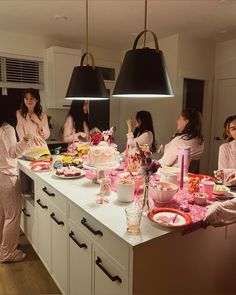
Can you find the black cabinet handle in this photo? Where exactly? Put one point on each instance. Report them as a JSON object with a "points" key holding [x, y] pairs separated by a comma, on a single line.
{"points": [[217, 138], [95, 232], [83, 245], [111, 277], [24, 211], [47, 192], [41, 205], [57, 221]]}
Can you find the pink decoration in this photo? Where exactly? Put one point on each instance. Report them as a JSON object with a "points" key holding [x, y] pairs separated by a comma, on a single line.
{"points": [[181, 181]]}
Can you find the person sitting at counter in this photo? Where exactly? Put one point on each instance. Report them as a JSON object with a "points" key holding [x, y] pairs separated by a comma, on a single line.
{"points": [[227, 151], [76, 126], [10, 199], [189, 134], [31, 119], [223, 213], [144, 131]]}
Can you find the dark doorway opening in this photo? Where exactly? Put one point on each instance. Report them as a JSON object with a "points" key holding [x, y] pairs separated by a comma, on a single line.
{"points": [[12, 102], [193, 94], [99, 114]]}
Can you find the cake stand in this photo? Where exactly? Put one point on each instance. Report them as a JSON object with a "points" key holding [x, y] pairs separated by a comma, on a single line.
{"points": [[101, 174]]}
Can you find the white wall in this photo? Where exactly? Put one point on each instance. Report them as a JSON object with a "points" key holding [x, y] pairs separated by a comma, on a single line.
{"points": [[35, 46], [196, 59]]}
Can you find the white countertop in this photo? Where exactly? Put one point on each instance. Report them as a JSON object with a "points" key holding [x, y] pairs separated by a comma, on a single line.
{"points": [[82, 192]]}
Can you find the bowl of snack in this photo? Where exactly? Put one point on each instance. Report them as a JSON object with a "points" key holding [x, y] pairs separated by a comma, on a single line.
{"points": [[220, 190], [163, 192], [200, 198]]}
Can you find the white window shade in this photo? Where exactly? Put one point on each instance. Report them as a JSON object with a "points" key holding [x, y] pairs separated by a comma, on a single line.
{"points": [[21, 73]]}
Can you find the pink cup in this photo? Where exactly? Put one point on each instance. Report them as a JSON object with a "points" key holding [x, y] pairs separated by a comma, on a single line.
{"points": [[207, 187]]}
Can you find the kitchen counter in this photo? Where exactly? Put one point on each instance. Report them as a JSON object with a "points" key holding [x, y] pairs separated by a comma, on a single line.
{"points": [[72, 234]]}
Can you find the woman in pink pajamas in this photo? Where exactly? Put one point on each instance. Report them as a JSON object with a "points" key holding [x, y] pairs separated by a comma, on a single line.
{"points": [[31, 119], [10, 199]]}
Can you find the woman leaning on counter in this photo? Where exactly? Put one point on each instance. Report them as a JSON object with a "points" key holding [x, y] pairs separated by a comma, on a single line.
{"points": [[31, 118]]}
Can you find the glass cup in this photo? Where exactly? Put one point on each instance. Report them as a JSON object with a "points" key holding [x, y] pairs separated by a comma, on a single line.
{"points": [[133, 219], [105, 186], [207, 187]]}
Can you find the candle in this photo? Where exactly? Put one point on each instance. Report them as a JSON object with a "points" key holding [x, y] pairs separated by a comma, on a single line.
{"points": [[126, 156], [181, 182]]}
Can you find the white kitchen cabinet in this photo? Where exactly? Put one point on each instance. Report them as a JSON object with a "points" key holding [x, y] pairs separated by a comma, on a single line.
{"points": [[59, 241], [80, 262], [59, 66], [109, 279], [44, 230], [29, 222]]}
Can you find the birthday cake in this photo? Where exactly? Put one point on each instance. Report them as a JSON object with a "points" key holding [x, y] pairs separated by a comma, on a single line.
{"points": [[102, 155]]}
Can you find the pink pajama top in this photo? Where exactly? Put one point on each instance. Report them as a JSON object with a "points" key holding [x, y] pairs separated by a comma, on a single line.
{"points": [[170, 156], [144, 138], [10, 149], [27, 126], [227, 155], [69, 131]]}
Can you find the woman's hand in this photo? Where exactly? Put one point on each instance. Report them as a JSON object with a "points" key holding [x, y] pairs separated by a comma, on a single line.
{"points": [[161, 149], [34, 118], [81, 135], [231, 179], [129, 125], [94, 131], [34, 139], [219, 174]]}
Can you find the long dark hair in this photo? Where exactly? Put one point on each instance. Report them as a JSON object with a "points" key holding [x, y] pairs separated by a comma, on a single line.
{"points": [[146, 124], [226, 133], [5, 114], [37, 109], [78, 116], [194, 127]]}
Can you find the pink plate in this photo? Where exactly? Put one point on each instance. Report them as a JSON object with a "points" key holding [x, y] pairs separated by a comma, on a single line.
{"points": [[169, 217]]}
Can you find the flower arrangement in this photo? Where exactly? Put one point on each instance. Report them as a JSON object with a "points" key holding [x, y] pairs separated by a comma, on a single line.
{"points": [[106, 136], [149, 167]]}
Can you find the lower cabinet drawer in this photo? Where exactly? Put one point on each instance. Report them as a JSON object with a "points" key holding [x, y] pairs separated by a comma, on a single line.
{"points": [[105, 238], [109, 279], [51, 194]]}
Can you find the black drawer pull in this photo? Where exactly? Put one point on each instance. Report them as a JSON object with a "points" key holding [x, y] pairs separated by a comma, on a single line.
{"points": [[83, 245], [47, 192], [111, 277], [24, 211], [95, 232], [57, 221], [41, 205]]}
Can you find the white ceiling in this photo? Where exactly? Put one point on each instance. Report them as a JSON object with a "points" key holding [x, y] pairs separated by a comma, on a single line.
{"points": [[114, 23]]}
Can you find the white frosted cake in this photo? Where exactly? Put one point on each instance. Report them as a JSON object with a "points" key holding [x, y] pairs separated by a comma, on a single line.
{"points": [[101, 155]]}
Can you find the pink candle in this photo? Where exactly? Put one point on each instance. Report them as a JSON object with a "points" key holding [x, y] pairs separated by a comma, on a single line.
{"points": [[181, 181], [126, 156]]}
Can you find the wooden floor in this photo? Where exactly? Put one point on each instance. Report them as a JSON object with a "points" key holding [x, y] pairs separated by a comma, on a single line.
{"points": [[28, 277]]}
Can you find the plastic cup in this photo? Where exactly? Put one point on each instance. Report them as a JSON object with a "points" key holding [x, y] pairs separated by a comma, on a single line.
{"points": [[207, 187]]}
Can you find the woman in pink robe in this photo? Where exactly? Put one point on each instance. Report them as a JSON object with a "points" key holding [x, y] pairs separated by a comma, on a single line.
{"points": [[10, 199], [144, 131], [189, 134], [31, 119], [227, 151]]}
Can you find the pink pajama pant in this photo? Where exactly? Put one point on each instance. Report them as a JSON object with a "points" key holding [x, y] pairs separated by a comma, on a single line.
{"points": [[10, 212]]}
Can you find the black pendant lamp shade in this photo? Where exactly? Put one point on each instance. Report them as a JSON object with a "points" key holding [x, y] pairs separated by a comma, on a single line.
{"points": [[86, 83], [143, 73]]}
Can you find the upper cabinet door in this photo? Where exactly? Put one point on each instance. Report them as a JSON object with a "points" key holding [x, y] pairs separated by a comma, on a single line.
{"points": [[59, 67]]}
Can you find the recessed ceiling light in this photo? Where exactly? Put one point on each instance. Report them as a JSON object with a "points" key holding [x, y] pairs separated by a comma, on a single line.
{"points": [[223, 32], [58, 16]]}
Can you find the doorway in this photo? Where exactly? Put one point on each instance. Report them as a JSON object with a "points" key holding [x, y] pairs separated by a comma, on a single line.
{"points": [[193, 94], [12, 101], [225, 106]]}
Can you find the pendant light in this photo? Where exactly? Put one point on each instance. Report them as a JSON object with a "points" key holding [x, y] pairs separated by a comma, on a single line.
{"points": [[86, 81], [143, 72]]}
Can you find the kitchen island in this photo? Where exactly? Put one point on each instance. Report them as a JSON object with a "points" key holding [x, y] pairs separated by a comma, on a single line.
{"points": [[86, 248]]}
